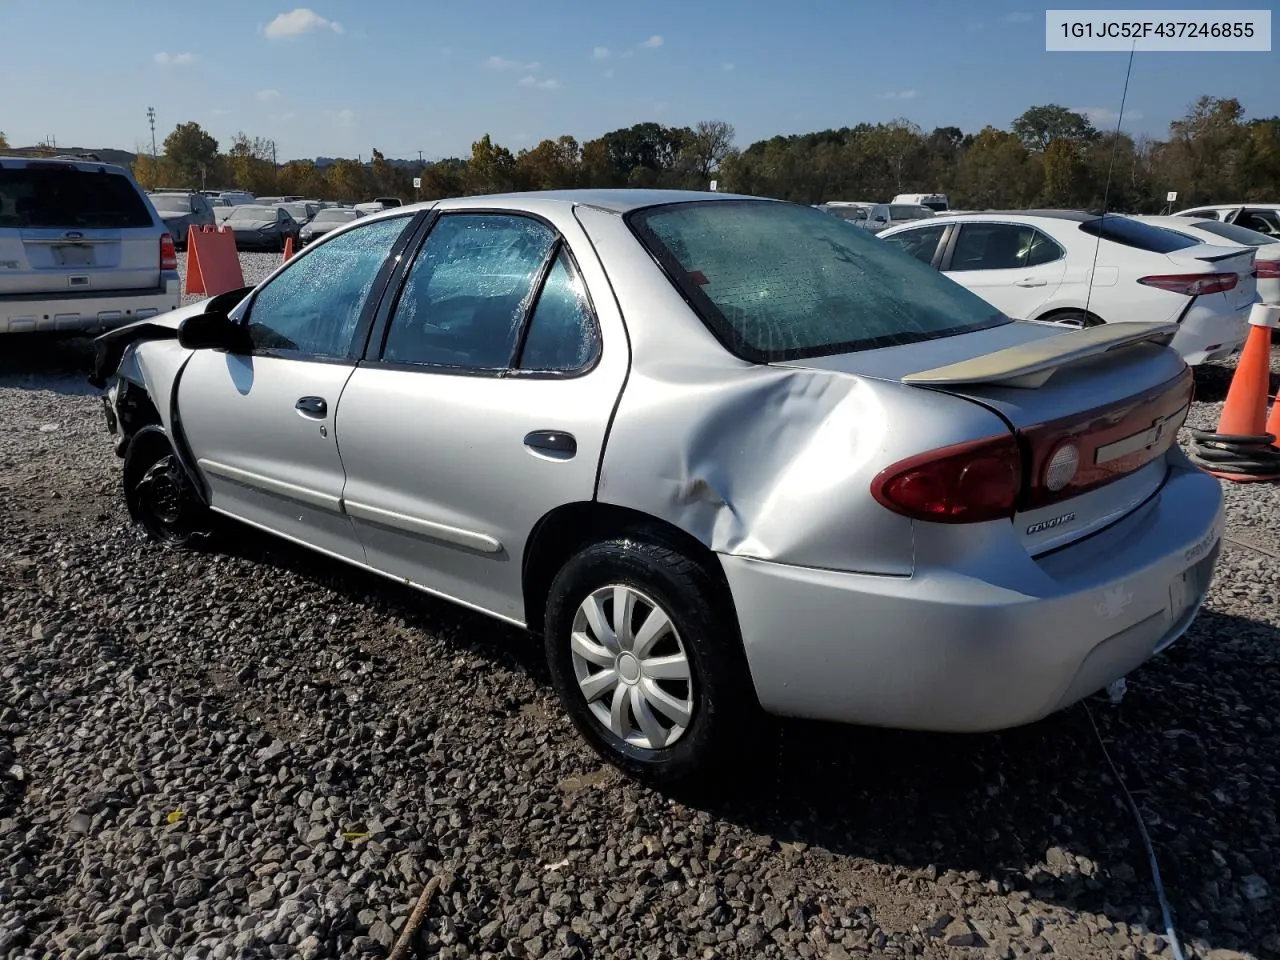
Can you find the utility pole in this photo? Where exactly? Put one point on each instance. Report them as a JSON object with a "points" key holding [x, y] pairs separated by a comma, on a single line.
{"points": [[151, 119]]}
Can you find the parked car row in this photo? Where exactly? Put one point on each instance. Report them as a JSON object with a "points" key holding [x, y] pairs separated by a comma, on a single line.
{"points": [[1083, 269]]}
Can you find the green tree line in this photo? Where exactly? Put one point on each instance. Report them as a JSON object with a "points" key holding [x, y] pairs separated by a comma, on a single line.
{"points": [[1049, 156]]}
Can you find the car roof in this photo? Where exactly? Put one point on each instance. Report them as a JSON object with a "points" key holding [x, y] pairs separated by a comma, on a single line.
{"points": [[1078, 216], [85, 166], [617, 201]]}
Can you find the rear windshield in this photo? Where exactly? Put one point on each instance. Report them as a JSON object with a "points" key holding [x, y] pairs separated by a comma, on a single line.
{"points": [[848, 213], [779, 281], [171, 203], [337, 216], [1135, 233], [247, 211], [65, 197], [1234, 232], [935, 205]]}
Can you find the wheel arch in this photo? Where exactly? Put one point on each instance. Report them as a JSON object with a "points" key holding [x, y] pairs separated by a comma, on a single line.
{"points": [[1057, 311], [565, 530]]}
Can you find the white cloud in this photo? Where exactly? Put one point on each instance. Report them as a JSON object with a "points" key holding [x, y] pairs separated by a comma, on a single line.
{"points": [[1104, 116], [220, 112], [600, 53], [297, 22], [899, 95], [345, 116], [176, 59], [1017, 16], [532, 81], [446, 51], [502, 63], [609, 72], [265, 95], [287, 116], [626, 54], [654, 41], [729, 67]]}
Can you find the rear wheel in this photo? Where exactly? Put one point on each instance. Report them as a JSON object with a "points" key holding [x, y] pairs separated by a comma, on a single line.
{"points": [[644, 653], [159, 494]]}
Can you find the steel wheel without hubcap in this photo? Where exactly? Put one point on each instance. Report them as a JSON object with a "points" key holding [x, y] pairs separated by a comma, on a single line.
{"points": [[163, 501], [632, 667]]}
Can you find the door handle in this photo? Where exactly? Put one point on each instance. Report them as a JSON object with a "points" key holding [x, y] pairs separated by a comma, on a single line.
{"points": [[1030, 282], [312, 407], [555, 444]]}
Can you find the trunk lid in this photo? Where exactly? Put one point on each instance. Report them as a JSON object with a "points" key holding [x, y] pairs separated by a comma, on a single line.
{"points": [[66, 229], [1114, 393]]}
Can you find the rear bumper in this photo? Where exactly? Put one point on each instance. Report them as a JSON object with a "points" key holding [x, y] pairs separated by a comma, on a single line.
{"points": [[88, 312], [1211, 329], [953, 650]]}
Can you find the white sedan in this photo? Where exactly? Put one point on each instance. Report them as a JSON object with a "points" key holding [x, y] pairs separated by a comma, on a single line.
{"points": [[1267, 259], [1081, 269]]}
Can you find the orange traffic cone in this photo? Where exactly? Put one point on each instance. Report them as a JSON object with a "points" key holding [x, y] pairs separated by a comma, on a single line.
{"points": [[1273, 422], [288, 248], [1241, 448]]}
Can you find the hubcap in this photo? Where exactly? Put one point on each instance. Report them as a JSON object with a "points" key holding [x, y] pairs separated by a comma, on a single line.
{"points": [[632, 667]]}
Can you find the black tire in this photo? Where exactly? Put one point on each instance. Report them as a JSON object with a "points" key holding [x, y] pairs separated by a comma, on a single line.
{"points": [[159, 494], [726, 716]]}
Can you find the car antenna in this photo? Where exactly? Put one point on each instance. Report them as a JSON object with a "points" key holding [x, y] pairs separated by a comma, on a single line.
{"points": [[1106, 191]]}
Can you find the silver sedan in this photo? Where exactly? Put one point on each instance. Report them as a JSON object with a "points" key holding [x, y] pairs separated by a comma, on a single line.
{"points": [[727, 456]]}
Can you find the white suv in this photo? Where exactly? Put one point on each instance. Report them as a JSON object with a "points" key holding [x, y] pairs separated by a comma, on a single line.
{"points": [[81, 248]]}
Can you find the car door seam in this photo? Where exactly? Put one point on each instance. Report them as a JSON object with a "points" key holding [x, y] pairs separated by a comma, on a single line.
{"points": [[626, 373]]}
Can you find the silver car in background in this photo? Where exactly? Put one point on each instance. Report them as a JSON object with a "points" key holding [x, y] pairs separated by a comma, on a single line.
{"points": [[260, 227], [182, 211], [81, 248], [721, 453], [325, 220]]}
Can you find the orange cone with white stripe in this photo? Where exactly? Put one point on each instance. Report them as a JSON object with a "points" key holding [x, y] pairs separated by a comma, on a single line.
{"points": [[1242, 448]]}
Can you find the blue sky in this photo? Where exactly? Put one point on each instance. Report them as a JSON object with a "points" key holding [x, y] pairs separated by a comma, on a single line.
{"points": [[339, 77]]}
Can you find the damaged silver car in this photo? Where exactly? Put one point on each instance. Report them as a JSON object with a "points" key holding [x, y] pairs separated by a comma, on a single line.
{"points": [[728, 456]]}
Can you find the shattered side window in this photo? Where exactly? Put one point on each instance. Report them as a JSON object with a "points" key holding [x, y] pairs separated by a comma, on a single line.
{"points": [[467, 293], [313, 305], [562, 331], [780, 281]]}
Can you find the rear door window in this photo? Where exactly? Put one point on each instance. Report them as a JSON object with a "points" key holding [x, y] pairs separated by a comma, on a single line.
{"points": [[65, 197], [468, 291], [779, 281], [1263, 221], [1135, 233], [562, 335], [992, 246]]}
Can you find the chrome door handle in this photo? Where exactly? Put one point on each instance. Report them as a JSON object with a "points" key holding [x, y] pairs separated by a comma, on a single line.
{"points": [[312, 406], [555, 444], [1030, 282]]}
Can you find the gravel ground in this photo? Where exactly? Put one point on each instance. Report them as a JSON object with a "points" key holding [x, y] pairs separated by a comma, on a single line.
{"points": [[257, 752]]}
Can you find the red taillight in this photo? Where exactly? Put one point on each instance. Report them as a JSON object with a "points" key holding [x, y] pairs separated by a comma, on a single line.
{"points": [[964, 483], [1193, 284], [1267, 269], [168, 253]]}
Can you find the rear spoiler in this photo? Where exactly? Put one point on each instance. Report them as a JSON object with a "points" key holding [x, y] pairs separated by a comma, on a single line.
{"points": [[1227, 254], [1030, 365]]}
